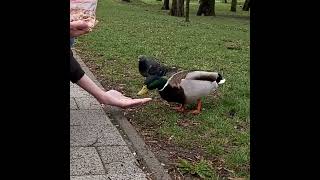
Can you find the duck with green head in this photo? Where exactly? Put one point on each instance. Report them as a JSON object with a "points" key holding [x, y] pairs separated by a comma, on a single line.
{"points": [[184, 87]]}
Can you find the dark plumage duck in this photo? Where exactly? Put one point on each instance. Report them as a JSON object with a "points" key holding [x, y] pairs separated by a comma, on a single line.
{"points": [[148, 66], [184, 87]]}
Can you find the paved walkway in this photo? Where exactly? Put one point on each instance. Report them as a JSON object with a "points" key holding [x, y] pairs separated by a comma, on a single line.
{"points": [[97, 150]]}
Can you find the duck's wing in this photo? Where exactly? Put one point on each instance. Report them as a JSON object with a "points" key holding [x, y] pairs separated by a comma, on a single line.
{"points": [[175, 80], [202, 76], [170, 71]]}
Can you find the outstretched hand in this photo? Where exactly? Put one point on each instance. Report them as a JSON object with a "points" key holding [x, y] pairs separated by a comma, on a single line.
{"points": [[115, 98]]}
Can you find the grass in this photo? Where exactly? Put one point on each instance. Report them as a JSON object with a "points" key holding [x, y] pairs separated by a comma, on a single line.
{"points": [[201, 169], [221, 43]]}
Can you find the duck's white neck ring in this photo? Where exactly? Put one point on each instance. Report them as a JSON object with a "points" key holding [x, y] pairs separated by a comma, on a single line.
{"points": [[168, 81], [165, 85]]}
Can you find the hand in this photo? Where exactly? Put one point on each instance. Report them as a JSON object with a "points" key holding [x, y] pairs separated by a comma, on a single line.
{"points": [[115, 98], [78, 28]]}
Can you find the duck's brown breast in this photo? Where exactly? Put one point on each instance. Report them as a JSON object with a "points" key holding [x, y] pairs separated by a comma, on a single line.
{"points": [[173, 94]]}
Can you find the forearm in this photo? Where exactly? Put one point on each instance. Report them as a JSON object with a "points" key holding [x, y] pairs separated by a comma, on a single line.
{"points": [[87, 84], [79, 77]]}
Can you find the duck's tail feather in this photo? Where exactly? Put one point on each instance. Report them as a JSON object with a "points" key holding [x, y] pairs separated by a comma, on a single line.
{"points": [[222, 81]]}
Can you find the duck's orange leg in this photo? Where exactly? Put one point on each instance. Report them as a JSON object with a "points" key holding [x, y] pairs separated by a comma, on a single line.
{"points": [[199, 107]]}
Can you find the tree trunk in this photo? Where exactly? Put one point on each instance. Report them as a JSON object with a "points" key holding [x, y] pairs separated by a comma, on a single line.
{"points": [[225, 1], [165, 5], [246, 5], [234, 5], [187, 10], [177, 8], [126, 0], [206, 7]]}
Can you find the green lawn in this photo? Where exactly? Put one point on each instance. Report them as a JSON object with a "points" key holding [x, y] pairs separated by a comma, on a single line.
{"points": [[221, 133]]}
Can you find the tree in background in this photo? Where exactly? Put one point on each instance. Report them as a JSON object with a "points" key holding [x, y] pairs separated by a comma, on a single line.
{"points": [[246, 5], [206, 7], [177, 8], [187, 10], [234, 5], [165, 5]]}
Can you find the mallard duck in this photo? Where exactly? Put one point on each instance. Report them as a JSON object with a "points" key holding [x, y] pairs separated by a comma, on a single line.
{"points": [[148, 66], [184, 87]]}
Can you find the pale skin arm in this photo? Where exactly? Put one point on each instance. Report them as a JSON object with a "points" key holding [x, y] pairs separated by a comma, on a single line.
{"points": [[112, 97]]}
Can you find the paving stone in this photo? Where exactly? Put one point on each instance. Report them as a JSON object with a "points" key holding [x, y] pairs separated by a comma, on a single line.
{"points": [[73, 104], [85, 161], [94, 177], [123, 168], [136, 176], [95, 136], [111, 154], [89, 117], [87, 103]]}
